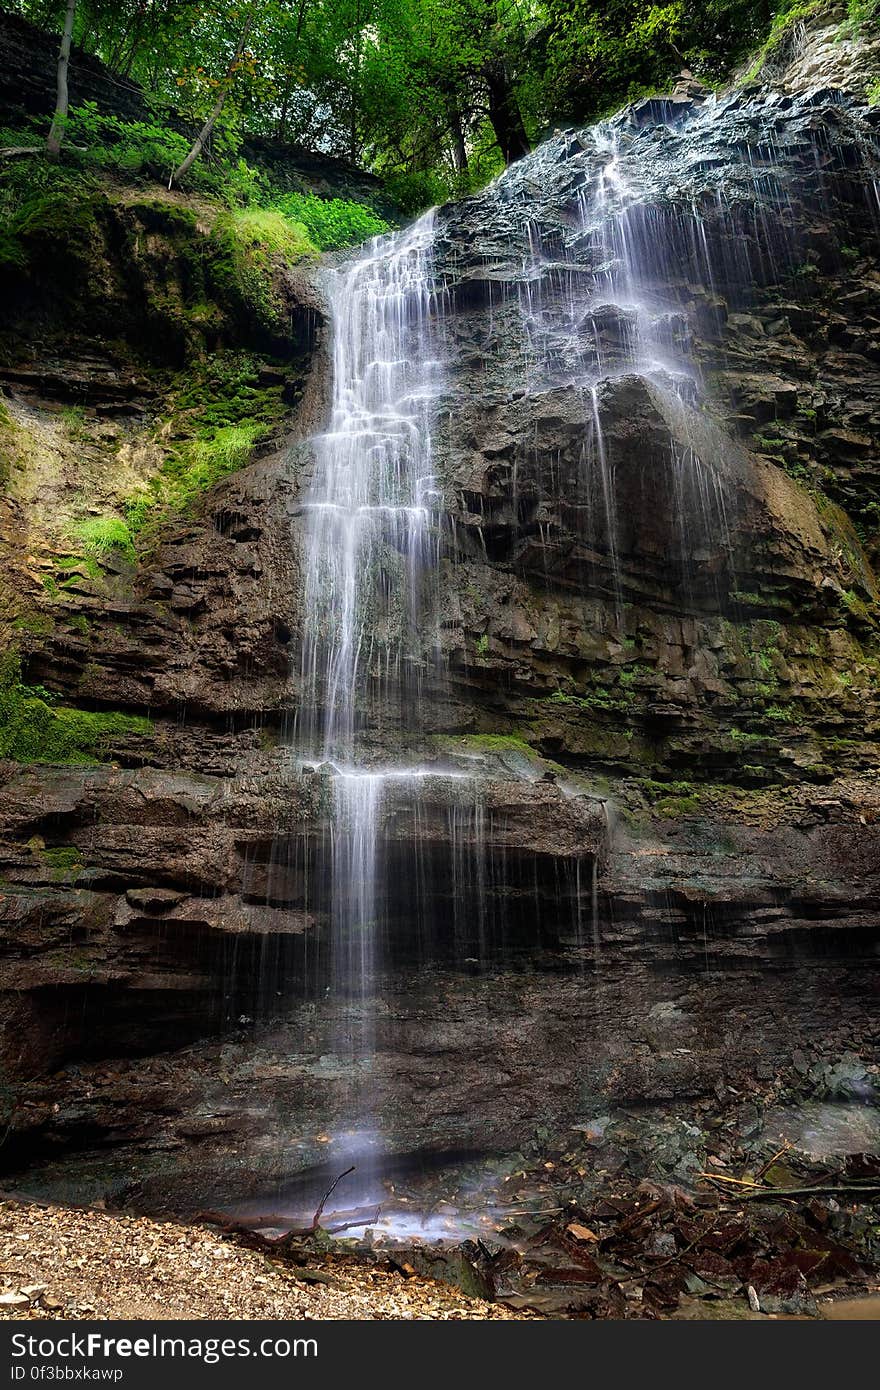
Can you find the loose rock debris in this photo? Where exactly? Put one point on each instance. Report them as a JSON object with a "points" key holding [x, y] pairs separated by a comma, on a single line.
{"points": [[81, 1264]]}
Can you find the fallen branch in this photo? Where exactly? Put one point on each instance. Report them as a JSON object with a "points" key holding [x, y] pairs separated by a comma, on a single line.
{"points": [[361, 1221], [316, 1219], [770, 1161], [19, 151], [780, 1193], [249, 1223], [635, 1219], [253, 1226], [738, 1182]]}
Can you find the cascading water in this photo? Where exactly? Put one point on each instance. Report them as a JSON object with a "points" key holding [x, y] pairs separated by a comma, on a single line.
{"points": [[371, 552], [368, 539], [372, 547], [589, 325], [603, 324]]}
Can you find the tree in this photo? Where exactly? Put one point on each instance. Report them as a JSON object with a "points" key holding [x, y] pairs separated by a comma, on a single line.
{"points": [[62, 99], [204, 134], [444, 93], [596, 54]]}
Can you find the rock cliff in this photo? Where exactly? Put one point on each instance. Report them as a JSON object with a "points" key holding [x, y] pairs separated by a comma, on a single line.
{"points": [[673, 700]]}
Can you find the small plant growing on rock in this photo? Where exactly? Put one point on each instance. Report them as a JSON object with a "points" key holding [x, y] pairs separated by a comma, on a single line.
{"points": [[100, 536]]}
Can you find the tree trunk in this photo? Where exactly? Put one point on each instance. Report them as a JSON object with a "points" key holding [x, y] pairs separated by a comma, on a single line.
{"points": [[62, 99], [281, 126], [204, 134], [504, 112], [459, 148]]}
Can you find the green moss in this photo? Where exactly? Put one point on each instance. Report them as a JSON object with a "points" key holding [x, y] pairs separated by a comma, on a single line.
{"points": [[74, 417], [219, 413], [767, 444], [656, 791], [72, 566], [193, 468], [484, 743], [782, 714], [856, 606], [8, 440], [38, 624], [34, 729], [170, 219], [592, 700], [46, 209], [65, 861], [749, 600], [482, 645], [673, 806], [743, 737], [250, 246]]}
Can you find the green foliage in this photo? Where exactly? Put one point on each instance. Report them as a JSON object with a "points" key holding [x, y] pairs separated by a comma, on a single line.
{"points": [[859, 12], [34, 729], [331, 223], [226, 390], [600, 53], [193, 466], [433, 95], [263, 232], [785, 21], [593, 700], [133, 148], [99, 536], [74, 417], [249, 244], [220, 414], [203, 462], [416, 189]]}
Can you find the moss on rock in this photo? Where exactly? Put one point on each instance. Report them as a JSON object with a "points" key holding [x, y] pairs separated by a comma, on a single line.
{"points": [[33, 729]]}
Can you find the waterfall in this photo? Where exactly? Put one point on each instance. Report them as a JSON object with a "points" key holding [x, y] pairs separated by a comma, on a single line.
{"points": [[594, 314], [368, 540], [591, 266], [370, 565]]}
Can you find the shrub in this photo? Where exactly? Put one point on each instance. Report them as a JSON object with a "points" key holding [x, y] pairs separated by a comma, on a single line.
{"points": [[332, 223], [195, 465], [413, 192], [131, 147], [204, 462]]}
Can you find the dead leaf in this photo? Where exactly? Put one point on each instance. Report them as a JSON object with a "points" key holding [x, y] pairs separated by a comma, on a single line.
{"points": [[581, 1232]]}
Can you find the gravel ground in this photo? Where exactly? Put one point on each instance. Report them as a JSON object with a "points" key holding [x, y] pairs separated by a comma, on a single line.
{"points": [[61, 1263]]}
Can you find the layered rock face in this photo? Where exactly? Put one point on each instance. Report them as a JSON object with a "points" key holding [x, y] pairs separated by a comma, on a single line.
{"points": [[659, 663], [663, 536]]}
